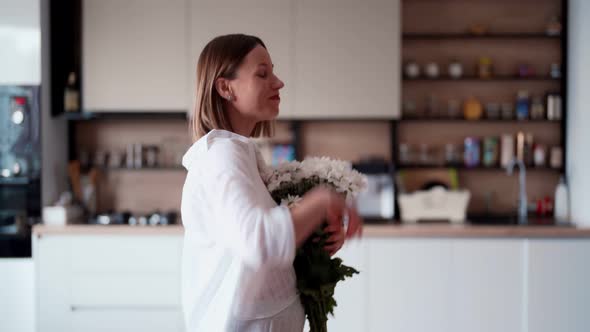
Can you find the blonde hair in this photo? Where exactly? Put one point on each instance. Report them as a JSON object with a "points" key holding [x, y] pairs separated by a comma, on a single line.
{"points": [[221, 57]]}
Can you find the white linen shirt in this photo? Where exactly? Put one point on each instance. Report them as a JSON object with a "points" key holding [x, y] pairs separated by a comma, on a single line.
{"points": [[239, 246]]}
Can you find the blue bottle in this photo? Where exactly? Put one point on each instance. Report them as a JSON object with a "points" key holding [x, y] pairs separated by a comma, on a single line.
{"points": [[522, 105]]}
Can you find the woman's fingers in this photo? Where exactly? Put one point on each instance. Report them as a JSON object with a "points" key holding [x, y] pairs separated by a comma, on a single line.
{"points": [[335, 242], [334, 228], [336, 237], [355, 223], [333, 248]]}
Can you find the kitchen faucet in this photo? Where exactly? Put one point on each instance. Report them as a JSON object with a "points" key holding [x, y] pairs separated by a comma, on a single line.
{"points": [[522, 204]]}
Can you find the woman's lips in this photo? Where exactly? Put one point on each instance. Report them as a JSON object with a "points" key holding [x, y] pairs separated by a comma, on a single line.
{"points": [[275, 97]]}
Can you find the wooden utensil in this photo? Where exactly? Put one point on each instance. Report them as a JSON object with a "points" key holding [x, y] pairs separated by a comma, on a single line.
{"points": [[74, 173]]}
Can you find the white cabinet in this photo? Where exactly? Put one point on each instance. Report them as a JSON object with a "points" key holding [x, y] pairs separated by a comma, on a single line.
{"points": [[487, 285], [17, 296], [20, 40], [408, 285], [114, 283], [270, 20], [134, 55], [558, 294], [338, 59], [347, 59], [350, 313]]}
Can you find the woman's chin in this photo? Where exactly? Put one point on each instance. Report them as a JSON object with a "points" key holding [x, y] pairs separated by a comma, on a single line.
{"points": [[272, 113]]}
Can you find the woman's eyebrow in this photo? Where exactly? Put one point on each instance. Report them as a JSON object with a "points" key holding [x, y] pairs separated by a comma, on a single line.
{"points": [[265, 64]]}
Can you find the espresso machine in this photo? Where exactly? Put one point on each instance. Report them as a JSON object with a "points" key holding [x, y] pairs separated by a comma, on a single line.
{"points": [[20, 168]]}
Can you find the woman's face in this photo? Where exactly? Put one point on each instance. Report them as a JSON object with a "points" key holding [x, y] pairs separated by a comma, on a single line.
{"points": [[256, 88]]}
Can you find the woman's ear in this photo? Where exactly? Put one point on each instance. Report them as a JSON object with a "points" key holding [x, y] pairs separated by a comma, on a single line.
{"points": [[223, 89]]}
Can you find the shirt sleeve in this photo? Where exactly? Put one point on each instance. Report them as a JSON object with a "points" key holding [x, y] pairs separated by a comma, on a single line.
{"points": [[258, 234]]}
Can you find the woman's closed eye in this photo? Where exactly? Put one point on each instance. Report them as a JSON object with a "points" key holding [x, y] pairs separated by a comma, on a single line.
{"points": [[262, 74]]}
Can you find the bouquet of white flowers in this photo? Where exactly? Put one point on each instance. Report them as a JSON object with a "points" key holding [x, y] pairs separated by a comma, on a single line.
{"points": [[317, 273]]}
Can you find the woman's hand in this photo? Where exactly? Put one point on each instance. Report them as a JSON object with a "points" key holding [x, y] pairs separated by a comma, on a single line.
{"points": [[324, 204], [336, 239], [336, 213]]}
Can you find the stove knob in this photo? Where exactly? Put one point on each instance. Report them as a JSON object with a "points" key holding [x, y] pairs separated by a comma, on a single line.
{"points": [[16, 168], [18, 116]]}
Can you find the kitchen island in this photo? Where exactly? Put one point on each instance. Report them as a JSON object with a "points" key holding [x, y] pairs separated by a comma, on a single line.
{"points": [[413, 278]]}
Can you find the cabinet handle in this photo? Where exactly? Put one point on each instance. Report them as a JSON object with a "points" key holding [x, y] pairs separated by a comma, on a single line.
{"points": [[123, 308]]}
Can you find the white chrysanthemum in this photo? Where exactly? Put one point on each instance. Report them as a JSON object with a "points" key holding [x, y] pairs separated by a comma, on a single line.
{"points": [[339, 174], [290, 200]]}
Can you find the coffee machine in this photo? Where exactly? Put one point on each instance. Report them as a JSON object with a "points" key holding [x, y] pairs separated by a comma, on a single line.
{"points": [[20, 167], [377, 203]]}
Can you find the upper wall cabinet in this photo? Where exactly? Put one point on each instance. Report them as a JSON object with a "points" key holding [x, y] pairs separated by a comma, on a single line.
{"points": [[337, 58], [347, 59], [271, 20], [20, 42], [134, 55]]}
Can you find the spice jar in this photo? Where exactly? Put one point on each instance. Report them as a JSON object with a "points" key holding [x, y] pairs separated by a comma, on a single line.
{"points": [[455, 69], [537, 108], [151, 156], [472, 109], [471, 153], [484, 68]]}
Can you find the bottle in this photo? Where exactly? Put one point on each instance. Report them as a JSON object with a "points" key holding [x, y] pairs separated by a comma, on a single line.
{"points": [[471, 153], [537, 108], [522, 105], [507, 149], [484, 68], [560, 207], [71, 95]]}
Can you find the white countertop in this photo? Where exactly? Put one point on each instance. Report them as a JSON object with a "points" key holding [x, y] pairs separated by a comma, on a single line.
{"points": [[386, 230]]}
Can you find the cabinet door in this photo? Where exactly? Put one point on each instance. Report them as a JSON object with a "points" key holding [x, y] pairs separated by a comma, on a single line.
{"points": [[350, 313], [114, 283], [487, 285], [134, 55], [17, 294], [408, 285], [271, 20], [20, 40], [347, 59], [558, 292], [52, 278]]}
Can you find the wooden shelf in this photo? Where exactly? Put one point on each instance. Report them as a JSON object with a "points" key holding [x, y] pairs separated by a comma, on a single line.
{"points": [[475, 78], [86, 116], [483, 120], [165, 168], [507, 35], [476, 168]]}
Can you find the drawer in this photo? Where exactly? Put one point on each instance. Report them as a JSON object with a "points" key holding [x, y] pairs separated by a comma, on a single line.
{"points": [[126, 254], [129, 319], [103, 290]]}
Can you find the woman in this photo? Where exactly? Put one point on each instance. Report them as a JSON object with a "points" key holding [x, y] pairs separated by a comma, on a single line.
{"points": [[239, 246]]}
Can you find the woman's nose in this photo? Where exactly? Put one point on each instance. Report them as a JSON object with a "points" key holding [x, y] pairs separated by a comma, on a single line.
{"points": [[278, 84]]}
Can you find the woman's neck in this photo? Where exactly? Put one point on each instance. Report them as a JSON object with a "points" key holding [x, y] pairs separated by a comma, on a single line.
{"points": [[241, 125]]}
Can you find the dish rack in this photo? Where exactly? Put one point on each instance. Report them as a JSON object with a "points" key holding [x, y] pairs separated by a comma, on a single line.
{"points": [[434, 204]]}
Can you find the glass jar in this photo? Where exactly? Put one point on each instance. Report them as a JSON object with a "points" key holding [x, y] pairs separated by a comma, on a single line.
{"points": [[452, 154], [490, 151], [537, 108], [485, 68], [507, 110], [471, 154]]}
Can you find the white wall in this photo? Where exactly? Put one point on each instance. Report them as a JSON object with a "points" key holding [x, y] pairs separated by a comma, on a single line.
{"points": [[578, 122], [53, 130]]}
